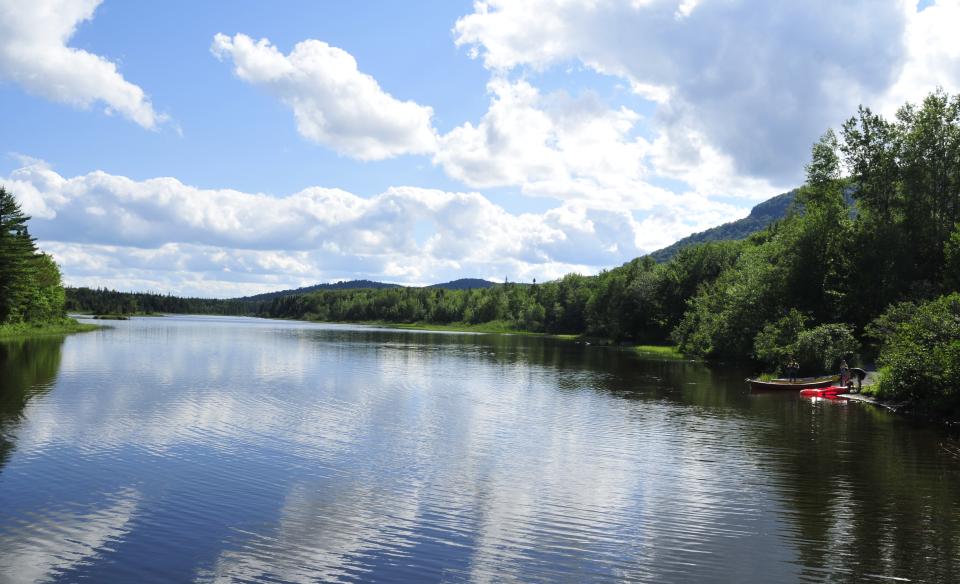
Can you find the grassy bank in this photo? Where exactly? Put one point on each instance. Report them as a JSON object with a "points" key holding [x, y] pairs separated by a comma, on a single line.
{"points": [[117, 315], [64, 327], [505, 328], [660, 351], [495, 327]]}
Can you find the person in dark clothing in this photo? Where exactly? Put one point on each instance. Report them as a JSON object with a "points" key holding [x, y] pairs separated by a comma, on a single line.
{"points": [[860, 375], [792, 369]]}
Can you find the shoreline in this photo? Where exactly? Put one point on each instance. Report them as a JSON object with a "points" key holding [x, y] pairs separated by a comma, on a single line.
{"points": [[487, 328], [868, 399], [9, 332], [664, 351], [907, 410], [494, 328]]}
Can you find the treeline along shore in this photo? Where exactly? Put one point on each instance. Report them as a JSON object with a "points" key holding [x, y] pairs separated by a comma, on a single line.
{"points": [[31, 292], [875, 280]]}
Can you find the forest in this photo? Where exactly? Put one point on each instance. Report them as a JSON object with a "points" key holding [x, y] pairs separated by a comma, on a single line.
{"points": [[101, 301], [31, 292], [865, 266]]}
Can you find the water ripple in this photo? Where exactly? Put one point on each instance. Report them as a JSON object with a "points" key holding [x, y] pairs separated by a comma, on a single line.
{"points": [[215, 450]]}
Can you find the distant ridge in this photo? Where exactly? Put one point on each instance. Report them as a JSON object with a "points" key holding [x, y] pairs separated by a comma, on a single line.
{"points": [[465, 284], [348, 285], [760, 217], [461, 284]]}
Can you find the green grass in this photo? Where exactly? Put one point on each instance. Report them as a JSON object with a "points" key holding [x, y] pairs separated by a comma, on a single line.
{"points": [[132, 314], [500, 327], [23, 331], [116, 315], [497, 327], [872, 387], [660, 351]]}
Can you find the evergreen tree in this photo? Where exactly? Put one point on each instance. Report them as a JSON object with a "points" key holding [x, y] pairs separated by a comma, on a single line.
{"points": [[17, 251]]}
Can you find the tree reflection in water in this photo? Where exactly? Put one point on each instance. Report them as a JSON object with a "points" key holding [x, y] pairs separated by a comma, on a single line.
{"points": [[28, 368]]}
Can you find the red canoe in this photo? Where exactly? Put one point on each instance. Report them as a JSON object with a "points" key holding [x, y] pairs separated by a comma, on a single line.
{"points": [[832, 391]]}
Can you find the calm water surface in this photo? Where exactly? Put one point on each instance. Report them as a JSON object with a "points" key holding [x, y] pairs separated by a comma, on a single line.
{"points": [[196, 449]]}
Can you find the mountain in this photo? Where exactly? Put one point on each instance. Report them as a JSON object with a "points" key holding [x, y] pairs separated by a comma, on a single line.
{"points": [[465, 284], [349, 285], [461, 284], [759, 218]]}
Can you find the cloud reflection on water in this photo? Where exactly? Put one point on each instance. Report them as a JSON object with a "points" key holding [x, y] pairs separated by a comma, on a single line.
{"points": [[298, 453], [50, 544]]}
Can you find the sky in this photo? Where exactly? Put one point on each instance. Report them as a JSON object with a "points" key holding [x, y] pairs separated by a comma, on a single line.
{"points": [[225, 148]]}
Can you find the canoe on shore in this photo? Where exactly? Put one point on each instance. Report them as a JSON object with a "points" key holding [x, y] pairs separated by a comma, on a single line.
{"points": [[797, 384], [831, 392]]}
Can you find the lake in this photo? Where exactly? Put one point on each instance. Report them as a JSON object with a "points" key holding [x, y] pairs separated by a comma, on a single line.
{"points": [[214, 449]]}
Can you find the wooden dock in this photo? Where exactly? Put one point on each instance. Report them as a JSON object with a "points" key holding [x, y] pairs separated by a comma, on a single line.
{"points": [[869, 400]]}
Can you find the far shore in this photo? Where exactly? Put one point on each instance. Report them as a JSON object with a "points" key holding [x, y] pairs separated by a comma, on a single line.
{"points": [[495, 327], [501, 328]]}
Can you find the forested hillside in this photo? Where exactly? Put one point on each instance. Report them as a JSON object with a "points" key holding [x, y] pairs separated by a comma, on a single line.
{"points": [[461, 284], [103, 301], [464, 284], [760, 217], [348, 285]]}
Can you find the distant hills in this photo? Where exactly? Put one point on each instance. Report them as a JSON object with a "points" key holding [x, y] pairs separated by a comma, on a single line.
{"points": [[461, 284], [465, 284], [351, 285], [759, 218]]}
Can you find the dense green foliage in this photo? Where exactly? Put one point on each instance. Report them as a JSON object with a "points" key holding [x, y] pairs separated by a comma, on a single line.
{"points": [[920, 355], [103, 301], [30, 288], [815, 349]]}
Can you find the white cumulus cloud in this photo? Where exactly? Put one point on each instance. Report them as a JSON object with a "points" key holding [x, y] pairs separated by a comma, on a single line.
{"points": [[932, 53], [34, 55], [743, 85], [161, 234], [334, 103], [555, 145], [580, 149]]}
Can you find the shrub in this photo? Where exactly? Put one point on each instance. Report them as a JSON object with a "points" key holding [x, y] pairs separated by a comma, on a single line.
{"points": [[816, 349], [824, 346], [774, 344], [920, 358]]}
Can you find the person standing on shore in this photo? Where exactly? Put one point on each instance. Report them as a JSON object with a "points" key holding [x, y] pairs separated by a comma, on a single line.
{"points": [[860, 375], [793, 368], [844, 372]]}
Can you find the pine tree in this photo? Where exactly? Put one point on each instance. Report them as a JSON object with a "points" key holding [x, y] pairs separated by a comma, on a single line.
{"points": [[17, 251]]}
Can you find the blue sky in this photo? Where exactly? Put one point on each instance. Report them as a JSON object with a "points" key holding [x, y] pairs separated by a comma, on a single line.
{"points": [[235, 136], [419, 142]]}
